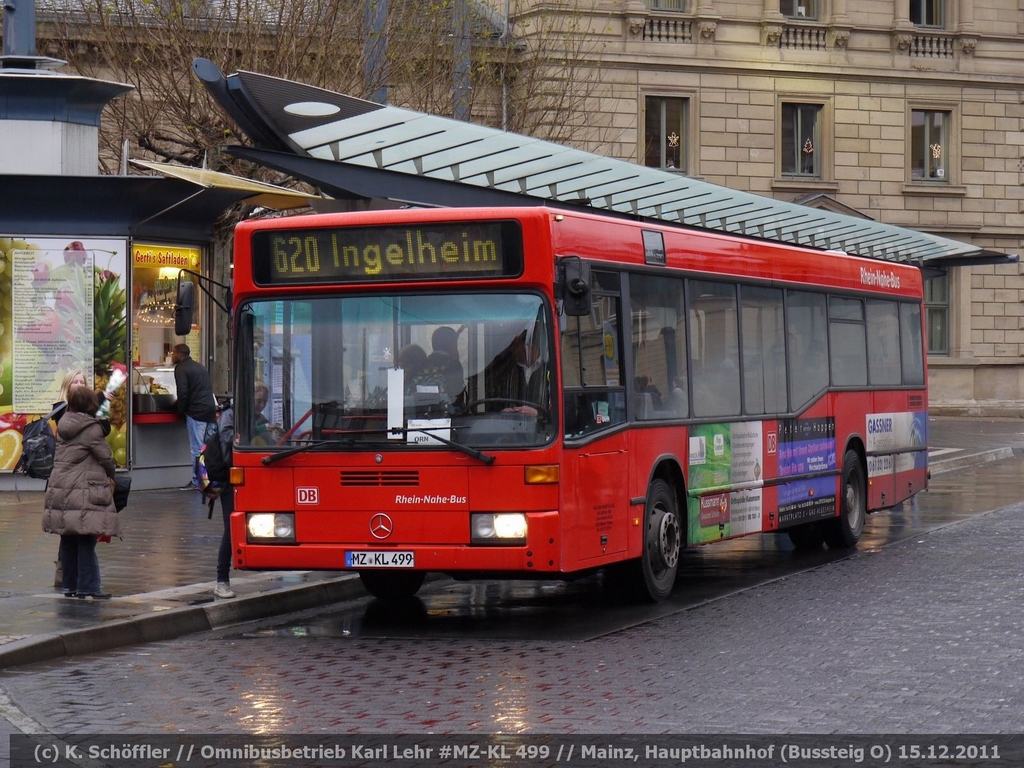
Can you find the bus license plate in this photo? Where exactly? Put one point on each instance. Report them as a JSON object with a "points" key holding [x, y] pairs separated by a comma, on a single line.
{"points": [[380, 559]]}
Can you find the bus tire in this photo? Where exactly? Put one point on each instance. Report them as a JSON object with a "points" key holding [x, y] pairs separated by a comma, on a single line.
{"points": [[844, 531], [392, 585], [655, 573]]}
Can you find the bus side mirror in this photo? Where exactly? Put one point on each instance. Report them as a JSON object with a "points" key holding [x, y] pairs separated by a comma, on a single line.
{"points": [[575, 286], [183, 308]]}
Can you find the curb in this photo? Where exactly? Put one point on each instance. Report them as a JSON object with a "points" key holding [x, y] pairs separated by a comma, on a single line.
{"points": [[177, 622], [959, 462]]}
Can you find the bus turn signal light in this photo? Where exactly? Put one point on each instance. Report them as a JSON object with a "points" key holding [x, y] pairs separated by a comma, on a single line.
{"points": [[542, 474]]}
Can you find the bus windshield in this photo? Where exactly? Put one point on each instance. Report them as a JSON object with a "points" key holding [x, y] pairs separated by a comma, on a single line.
{"points": [[403, 371]]}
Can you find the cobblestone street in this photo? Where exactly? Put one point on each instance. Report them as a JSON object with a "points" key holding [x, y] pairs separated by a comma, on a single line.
{"points": [[925, 635]]}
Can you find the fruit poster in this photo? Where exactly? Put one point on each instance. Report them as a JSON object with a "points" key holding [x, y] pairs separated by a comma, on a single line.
{"points": [[726, 458], [63, 310]]}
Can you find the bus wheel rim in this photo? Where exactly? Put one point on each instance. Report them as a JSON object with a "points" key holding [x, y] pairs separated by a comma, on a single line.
{"points": [[666, 547], [854, 506]]}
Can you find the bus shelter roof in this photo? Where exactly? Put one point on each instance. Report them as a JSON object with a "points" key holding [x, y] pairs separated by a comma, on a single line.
{"points": [[362, 149]]}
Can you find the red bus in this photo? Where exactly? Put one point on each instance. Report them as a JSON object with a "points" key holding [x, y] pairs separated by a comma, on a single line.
{"points": [[530, 392]]}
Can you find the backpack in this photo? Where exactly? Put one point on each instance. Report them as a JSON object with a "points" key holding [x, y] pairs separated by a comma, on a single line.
{"points": [[213, 466], [38, 447]]}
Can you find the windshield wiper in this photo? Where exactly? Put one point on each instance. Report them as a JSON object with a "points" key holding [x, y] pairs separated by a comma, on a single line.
{"points": [[301, 449], [486, 458], [349, 442]]}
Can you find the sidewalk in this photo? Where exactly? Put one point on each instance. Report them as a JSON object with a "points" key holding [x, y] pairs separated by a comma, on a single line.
{"points": [[163, 571]]}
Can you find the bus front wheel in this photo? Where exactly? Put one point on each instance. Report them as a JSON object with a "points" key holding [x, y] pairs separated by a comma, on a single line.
{"points": [[844, 531], [655, 574], [392, 585]]}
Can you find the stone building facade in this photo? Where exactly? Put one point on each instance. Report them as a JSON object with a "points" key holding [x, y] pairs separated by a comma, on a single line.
{"points": [[908, 112]]}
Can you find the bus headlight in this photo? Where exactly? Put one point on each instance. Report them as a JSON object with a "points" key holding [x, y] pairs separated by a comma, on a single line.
{"points": [[270, 527], [503, 528]]}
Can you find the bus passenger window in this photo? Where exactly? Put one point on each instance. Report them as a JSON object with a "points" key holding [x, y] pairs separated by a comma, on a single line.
{"points": [[764, 355], [659, 347], [807, 329], [910, 343], [714, 347], [848, 358], [883, 343]]}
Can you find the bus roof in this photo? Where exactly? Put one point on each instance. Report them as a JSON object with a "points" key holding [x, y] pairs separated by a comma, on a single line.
{"points": [[618, 241]]}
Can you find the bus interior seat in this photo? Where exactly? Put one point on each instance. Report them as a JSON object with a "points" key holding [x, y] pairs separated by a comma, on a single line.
{"points": [[646, 410], [327, 418]]}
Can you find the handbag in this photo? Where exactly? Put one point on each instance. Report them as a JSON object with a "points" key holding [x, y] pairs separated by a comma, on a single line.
{"points": [[122, 486]]}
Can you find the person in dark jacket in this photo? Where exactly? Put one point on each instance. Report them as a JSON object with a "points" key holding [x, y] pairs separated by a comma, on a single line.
{"points": [[226, 432], [71, 380], [195, 401], [79, 501], [442, 367]]}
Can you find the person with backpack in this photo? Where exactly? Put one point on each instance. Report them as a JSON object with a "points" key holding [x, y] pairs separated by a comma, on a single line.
{"points": [[442, 367], [225, 438], [79, 500]]}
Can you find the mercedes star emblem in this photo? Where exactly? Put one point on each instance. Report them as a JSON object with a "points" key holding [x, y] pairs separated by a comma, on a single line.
{"points": [[381, 526]]}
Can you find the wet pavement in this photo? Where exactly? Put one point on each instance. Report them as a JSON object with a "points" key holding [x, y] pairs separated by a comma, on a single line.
{"points": [[162, 571]]}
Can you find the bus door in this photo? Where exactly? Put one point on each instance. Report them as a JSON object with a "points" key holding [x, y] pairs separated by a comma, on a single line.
{"points": [[596, 488]]}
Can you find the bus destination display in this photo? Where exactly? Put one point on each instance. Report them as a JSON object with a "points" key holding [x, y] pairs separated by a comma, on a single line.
{"points": [[458, 250]]}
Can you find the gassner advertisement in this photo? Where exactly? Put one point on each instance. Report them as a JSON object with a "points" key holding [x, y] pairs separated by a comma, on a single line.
{"points": [[722, 457], [897, 442]]}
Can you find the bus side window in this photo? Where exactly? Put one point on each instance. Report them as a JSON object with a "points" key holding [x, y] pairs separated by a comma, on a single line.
{"points": [[592, 364], [587, 412], [764, 350], [714, 346], [807, 329], [883, 343], [848, 354], [910, 343], [659, 347]]}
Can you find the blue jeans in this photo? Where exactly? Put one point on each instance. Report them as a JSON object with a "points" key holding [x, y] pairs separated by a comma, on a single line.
{"points": [[196, 435], [227, 506], [79, 564]]}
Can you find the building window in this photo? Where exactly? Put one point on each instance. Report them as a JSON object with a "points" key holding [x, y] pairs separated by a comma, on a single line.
{"points": [[666, 5], [799, 9], [936, 314], [665, 133], [928, 13], [801, 138], [929, 145]]}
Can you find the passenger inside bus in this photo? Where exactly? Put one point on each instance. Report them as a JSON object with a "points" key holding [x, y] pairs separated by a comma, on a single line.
{"points": [[264, 433], [442, 368]]}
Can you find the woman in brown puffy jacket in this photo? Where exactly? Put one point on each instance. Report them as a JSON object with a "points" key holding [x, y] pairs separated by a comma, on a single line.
{"points": [[79, 496]]}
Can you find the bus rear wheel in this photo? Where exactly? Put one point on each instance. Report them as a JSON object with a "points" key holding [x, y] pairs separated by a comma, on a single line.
{"points": [[392, 585], [844, 531], [655, 573]]}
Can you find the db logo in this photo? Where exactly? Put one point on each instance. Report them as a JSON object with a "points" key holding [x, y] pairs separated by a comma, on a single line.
{"points": [[773, 442], [307, 495]]}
